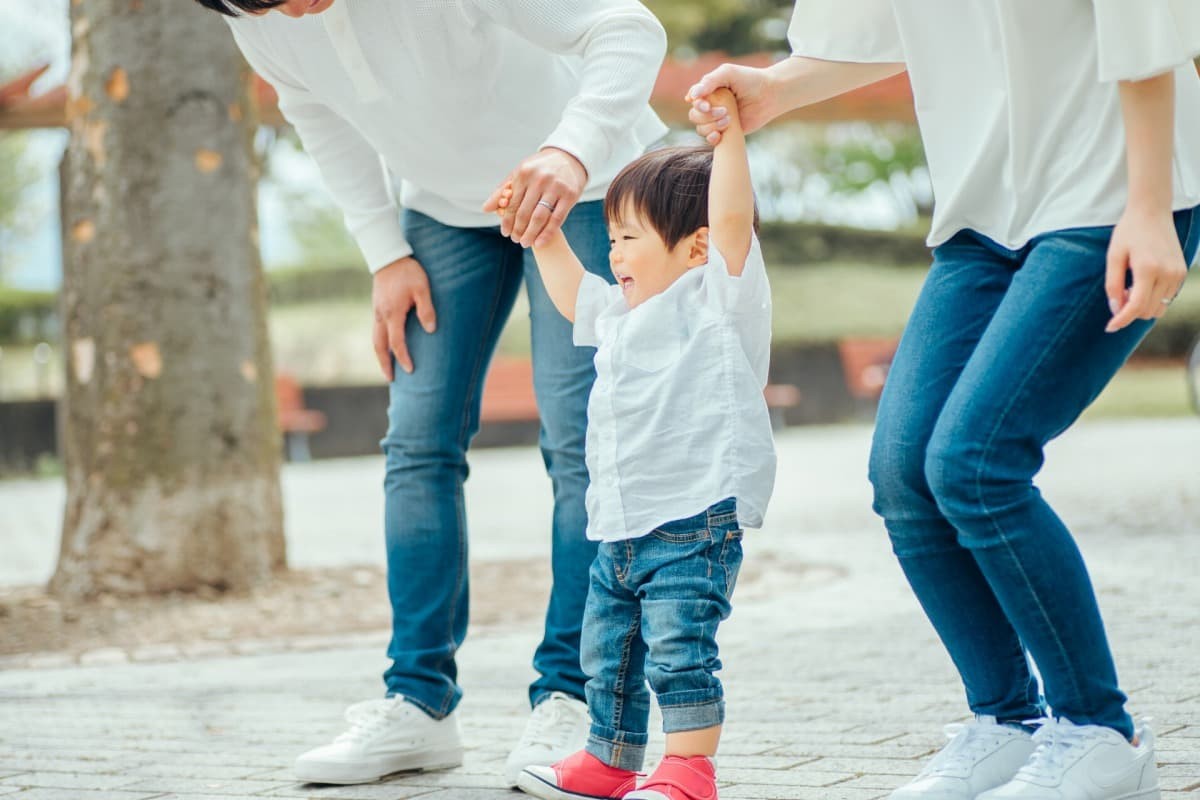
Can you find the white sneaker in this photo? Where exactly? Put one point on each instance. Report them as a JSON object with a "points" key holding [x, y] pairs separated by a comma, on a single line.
{"points": [[981, 754], [385, 736], [1084, 762], [557, 728]]}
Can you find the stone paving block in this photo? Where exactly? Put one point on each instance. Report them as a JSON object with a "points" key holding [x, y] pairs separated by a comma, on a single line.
{"points": [[389, 790], [208, 772], [472, 794], [82, 794], [898, 768], [69, 780], [164, 785], [750, 791]]}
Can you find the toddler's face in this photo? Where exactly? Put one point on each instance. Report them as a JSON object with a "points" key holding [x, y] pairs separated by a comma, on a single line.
{"points": [[641, 261], [299, 8]]}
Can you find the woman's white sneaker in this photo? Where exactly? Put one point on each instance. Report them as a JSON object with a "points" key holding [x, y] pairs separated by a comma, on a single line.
{"points": [[981, 754], [1084, 762], [557, 727], [385, 736]]}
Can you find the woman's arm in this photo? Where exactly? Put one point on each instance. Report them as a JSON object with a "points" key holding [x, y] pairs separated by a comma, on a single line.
{"points": [[766, 93], [1144, 240]]}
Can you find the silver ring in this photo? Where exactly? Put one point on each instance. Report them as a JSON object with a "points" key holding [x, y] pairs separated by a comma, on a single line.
{"points": [[1166, 301], [544, 203]]}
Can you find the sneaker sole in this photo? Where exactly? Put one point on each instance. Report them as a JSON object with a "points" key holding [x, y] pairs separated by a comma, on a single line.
{"points": [[531, 784], [344, 774]]}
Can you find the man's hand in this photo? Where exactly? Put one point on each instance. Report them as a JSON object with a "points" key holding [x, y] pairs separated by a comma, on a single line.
{"points": [[545, 187], [1147, 245], [755, 100], [397, 289]]}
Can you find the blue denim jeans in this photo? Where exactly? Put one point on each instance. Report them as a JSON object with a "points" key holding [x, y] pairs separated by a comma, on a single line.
{"points": [[652, 614], [1003, 351], [474, 275]]}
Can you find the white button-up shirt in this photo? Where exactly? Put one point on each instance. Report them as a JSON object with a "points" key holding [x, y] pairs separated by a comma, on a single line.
{"points": [[676, 418], [451, 96], [1017, 99]]}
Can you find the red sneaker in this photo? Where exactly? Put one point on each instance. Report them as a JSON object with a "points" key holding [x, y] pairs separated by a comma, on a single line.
{"points": [[580, 776], [679, 778]]}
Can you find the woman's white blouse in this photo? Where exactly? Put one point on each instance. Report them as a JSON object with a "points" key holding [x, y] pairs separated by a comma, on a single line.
{"points": [[677, 419], [1018, 100]]}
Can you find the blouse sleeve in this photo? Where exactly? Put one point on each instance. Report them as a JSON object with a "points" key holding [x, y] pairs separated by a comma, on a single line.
{"points": [[862, 31], [1137, 39], [595, 295]]}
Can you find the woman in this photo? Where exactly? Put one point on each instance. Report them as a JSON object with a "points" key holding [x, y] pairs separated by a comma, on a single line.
{"points": [[1059, 138]]}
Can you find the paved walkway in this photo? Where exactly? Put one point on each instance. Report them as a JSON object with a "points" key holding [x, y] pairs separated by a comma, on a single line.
{"points": [[836, 685]]}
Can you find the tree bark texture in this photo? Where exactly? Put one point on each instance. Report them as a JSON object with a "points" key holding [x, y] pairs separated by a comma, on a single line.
{"points": [[170, 442]]}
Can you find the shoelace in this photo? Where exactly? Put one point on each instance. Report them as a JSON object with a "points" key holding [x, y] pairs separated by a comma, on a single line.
{"points": [[968, 743], [550, 723], [1059, 744], [367, 717]]}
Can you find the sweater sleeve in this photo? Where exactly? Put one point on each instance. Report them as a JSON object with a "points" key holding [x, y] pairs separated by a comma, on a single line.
{"points": [[621, 45], [1137, 40], [351, 169], [861, 31]]}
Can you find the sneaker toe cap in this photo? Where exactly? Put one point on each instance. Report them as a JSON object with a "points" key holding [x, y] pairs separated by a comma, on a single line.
{"points": [[939, 788]]}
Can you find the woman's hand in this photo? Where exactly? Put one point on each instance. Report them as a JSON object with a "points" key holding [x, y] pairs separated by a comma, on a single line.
{"points": [[752, 89], [1146, 244]]}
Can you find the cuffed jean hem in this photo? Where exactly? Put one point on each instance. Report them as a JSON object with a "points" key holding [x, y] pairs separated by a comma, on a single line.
{"points": [[618, 749], [1123, 725], [432, 712], [538, 697], [680, 714]]}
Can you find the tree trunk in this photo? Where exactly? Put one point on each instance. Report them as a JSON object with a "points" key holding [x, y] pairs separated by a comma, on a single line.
{"points": [[171, 449]]}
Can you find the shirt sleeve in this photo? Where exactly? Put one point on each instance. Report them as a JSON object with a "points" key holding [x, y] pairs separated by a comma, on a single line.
{"points": [[350, 167], [748, 292], [595, 295], [621, 45], [862, 31], [1137, 39]]}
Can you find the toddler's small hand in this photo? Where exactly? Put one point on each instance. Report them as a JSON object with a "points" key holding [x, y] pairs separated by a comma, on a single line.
{"points": [[502, 202]]}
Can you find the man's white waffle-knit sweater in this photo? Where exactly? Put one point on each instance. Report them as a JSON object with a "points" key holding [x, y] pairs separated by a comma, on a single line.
{"points": [[450, 95]]}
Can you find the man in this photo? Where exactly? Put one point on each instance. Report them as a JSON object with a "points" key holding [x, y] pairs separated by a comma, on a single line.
{"points": [[454, 98]]}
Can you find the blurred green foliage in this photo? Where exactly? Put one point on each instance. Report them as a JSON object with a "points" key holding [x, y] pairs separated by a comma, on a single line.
{"points": [[735, 27]]}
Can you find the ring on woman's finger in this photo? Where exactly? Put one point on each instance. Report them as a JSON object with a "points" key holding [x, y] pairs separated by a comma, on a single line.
{"points": [[547, 205], [1166, 301]]}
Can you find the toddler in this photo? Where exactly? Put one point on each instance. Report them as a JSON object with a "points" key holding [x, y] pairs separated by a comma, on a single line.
{"points": [[680, 455]]}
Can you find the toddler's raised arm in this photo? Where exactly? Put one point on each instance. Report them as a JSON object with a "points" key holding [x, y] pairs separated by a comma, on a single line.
{"points": [[730, 194]]}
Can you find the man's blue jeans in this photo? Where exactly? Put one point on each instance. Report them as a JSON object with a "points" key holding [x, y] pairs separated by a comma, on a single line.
{"points": [[1002, 353], [652, 614], [474, 275]]}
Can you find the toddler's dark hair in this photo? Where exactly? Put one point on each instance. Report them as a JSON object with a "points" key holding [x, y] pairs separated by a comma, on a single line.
{"points": [[668, 188], [230, 8]]}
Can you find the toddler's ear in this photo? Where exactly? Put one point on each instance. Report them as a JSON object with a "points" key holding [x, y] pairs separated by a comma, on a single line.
{"points": [[698, 252]]}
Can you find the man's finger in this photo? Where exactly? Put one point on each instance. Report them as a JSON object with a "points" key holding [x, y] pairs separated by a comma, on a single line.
{"points": [[398, 344], [525, 210], [519, 190], [423, 302], [556, 221], [379, 340], [542, 213]]}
